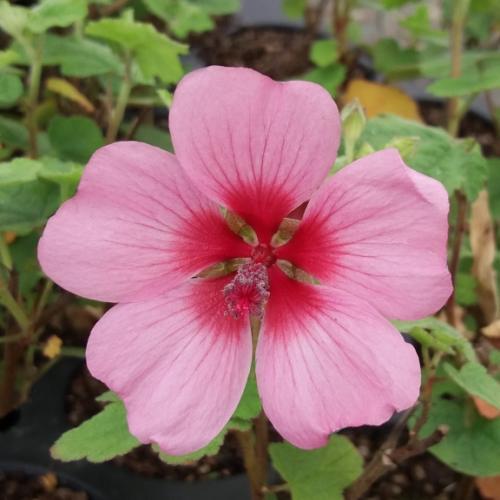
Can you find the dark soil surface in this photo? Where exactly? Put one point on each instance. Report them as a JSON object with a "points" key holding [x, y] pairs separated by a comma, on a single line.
{"points": [[275, 51], [19, 486]]}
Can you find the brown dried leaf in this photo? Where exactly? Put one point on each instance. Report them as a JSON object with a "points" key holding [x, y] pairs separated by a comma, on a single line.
{"points": [[482, 240], [489, 487], [485, 409]]}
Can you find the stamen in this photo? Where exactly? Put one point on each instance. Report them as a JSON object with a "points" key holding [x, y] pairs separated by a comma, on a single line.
{"points": [[248, 292]]}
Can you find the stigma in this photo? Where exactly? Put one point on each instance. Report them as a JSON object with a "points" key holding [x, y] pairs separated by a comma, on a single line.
{"points": [[248, 292]]}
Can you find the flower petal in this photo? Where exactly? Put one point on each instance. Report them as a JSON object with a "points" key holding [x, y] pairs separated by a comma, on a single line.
{"points": [[378, 230], [177, 361], [135, 228], [257, 146], [327, 360]]}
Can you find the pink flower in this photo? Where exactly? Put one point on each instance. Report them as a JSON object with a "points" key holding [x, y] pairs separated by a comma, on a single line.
{"points": [[178, 350]]}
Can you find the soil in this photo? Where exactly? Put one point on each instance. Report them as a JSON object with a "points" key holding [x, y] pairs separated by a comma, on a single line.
{"points": [[275, 51], [20, 486], [81, 405]]}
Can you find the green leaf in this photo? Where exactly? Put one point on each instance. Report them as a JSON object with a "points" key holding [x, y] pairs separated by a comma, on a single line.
{"points": [[66, 174], [25, 200], [75, 138], [182, 17], [493, 186], [250, 405], [472, 442], [318, 474], [436, 63], [458, 164], [324, 52], [155, 53], [154, 136], [11, 89], [294, 8], [495, 357], [108, 397], [465, 289], [330, 77], [56, 13], [98, 439], [211, 449], [13, 133], [393, 61], [420, 27], [438, 335], [81, 57], [467, 84], [13, 19], [24, 256], [474, 379]]}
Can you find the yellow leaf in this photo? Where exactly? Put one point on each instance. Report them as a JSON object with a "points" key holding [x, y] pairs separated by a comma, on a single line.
{"points": [[52, 347], [377, 98], [68, 90]]}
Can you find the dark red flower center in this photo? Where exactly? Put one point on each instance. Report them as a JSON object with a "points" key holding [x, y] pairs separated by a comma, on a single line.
{"points": [[263, 254], [248, 292]]}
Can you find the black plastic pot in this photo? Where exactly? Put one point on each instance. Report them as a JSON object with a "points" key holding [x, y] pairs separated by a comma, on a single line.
{"points": [[24, 447]]}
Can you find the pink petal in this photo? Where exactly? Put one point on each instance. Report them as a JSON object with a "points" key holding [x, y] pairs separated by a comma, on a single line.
{"points": [[254, 145], [178, 363], [378, 230], [136, 227], [327, 360]]}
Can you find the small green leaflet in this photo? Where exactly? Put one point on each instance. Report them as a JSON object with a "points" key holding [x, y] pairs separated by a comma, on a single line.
{"points": [[98, 439], [320, 474], [458, 164]]}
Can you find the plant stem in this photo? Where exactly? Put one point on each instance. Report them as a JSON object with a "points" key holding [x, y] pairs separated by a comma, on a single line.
{"points": [[17, 312], [460, 8], [245, 440], [388, 456], [340, 21], [5, 256], [32, 100], [121, 104], [461, 220]]}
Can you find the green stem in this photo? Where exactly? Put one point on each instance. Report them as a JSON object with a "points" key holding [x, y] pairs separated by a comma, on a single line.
{"points": [[121, 104], [32, 100], [17, 312], [5, 256], [42, 300], [459, 17]]}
